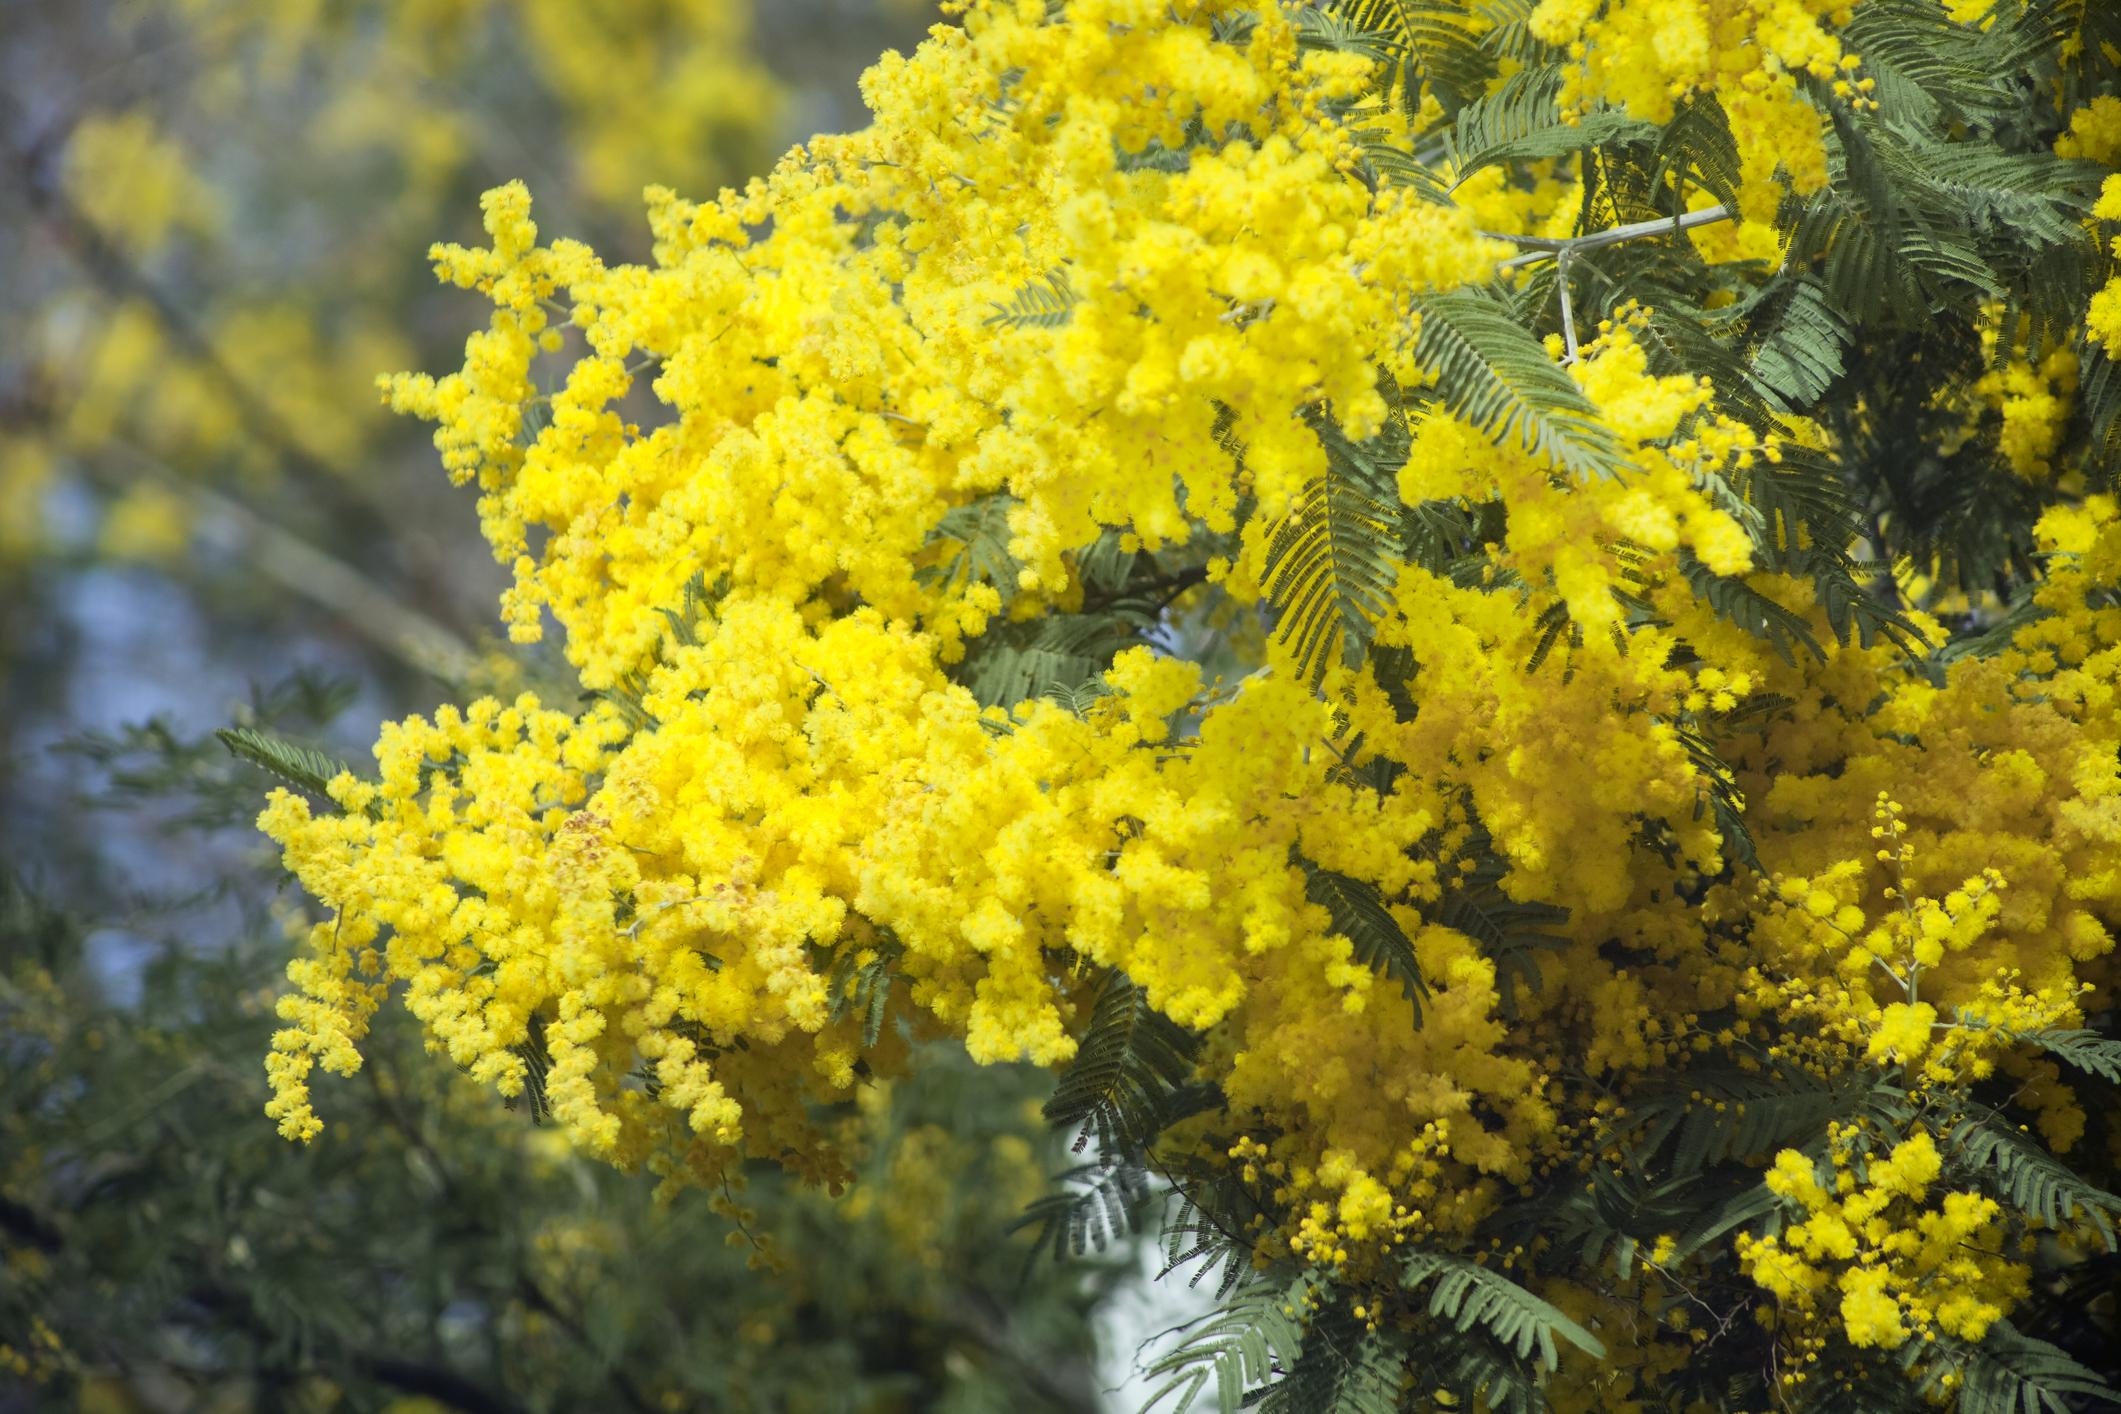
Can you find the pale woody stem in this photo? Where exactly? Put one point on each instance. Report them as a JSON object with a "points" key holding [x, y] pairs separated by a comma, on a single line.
{"points": [[1538, 248]]}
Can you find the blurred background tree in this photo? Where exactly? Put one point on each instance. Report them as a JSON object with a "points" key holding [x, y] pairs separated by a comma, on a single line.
{"points": [[213, 224]]}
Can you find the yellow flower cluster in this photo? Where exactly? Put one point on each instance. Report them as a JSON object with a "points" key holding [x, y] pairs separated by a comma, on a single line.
{"points": [[1032, 278], [1649, 56], [2095, 136], [836, 384], [2030, 393], [1876, 1250], [2104, 316]]}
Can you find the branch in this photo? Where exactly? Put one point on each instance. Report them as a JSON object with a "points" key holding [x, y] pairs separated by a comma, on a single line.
{"points": [[405, 632], [1538, 248], [415, 638], [119, 278], [1561, 252]]}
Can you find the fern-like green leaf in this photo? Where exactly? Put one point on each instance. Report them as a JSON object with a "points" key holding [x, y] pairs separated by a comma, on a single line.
{"points": [[537, 1064], [1720, 796], [976, 537], [1341, 32], [1131, 1075], [1510, 932], [1014, 662], [1469, 1295], [1193, 1236], [1253, 1338], [2099, 395], [303, 767], [1344, 1368], [1619, 1212], [1521, 120], [1797, 338], [1754, 1204], [1334, 558], [1737, 602], [1929, 68], [1698, 150], [2032, 1180], [2036, 197], [1096, 1205], [1044, 303], [1359, 915], [2012, 1373], [1715, 1114], [1386, 163], [1479, 1373], [863, 988], [1498, 377], [2088, 1051]]}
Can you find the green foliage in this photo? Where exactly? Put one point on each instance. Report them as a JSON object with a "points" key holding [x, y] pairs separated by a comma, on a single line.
{"points": [[1520, 120], [1713, 1114], [1468, 1295], [1300, 1348], [1930, 69], [1698, 150], [980, 532], [1345, 1367], [1334, 558], [1257, 1334], [1721, 797], [2089, 1051], [2031, 1180], [1058, 655], [1044, 303], [303, 767], [1360, 916], [1798, 340], [1098, 1205], [2011, 1373], [1500, 379], [1131, 1076], [862, 988], [1797, 509], [696, 602], [1438, 52], [1049, 655], [1510, 932]]}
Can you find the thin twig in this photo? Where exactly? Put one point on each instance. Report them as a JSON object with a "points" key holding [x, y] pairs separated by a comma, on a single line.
{"points": [[1538, 248], [1568, 312], [1561, 252]]}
